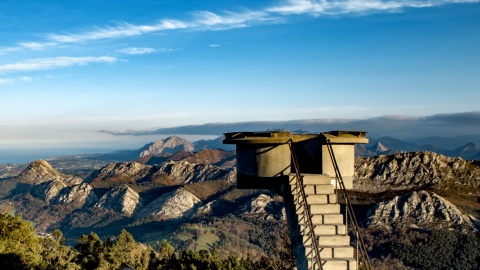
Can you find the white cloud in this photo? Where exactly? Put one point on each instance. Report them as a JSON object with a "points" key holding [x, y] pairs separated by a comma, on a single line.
{"points": [[136, 50], [201, 20], [121, 30], [323, 7], [51, 63], [214, 45], [213, 21], [206, 20]]}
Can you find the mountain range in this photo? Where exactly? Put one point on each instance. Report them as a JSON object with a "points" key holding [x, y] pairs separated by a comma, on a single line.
{"points": [[172, 190]]}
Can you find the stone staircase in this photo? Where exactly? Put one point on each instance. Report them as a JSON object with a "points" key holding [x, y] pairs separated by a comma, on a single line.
{"points": [[328, 222]]}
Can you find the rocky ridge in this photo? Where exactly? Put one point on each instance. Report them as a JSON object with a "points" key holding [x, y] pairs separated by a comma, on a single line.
{"points": [[177, 172], [129, 171], [415, 170], [419, 209], [183, 172]]}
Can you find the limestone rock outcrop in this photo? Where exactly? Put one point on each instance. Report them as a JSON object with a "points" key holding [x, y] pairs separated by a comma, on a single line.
{"points": [[80, 194], [121, 199], [415, 170], [47, 191], [419, 209], [182, 172], [179, 203], [171, 144], [263, 206]]}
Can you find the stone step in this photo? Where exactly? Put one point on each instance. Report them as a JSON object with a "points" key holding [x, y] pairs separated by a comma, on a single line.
{"points": [[316, 189], [327, 219], [334, 240], [320, 209], [338, 252], [336, 264], [320, 199], [312, 179], [331, 219], [328, 240], [326, 229]]}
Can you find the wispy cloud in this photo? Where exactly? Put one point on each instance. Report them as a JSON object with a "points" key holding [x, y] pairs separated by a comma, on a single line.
{"points": [[136, 50], [51, 63], [6, 50], [121, 30], [201, 20], [8, 81], [210, 21], [323, 7], [214, 45], [213, 21]]}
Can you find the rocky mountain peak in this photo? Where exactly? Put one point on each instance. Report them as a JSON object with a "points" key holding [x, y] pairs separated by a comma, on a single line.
{"points": [[171, 144], [379, 147], [41, 171], [419, 209]]}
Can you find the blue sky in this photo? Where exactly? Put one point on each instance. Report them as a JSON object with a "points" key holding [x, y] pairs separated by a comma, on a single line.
{"points": [[71, 68]]}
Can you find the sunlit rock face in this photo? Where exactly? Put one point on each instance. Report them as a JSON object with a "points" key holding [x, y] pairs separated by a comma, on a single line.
{"points": [[121, 199], [47, 191], [179, 203]]}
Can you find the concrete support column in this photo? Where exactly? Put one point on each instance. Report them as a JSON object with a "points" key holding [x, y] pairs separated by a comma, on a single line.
{"points": [[345, 157]]}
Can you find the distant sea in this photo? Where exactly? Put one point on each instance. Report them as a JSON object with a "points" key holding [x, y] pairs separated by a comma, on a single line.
{"points": [[26, 153], [19, 156]]}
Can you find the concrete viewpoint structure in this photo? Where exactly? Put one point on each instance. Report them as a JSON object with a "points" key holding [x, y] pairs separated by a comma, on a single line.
{"points": [[264, 161]]}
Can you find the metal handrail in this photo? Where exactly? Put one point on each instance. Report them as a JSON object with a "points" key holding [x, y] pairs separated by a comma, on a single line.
{"points": [[306, 209], [349, 207]]}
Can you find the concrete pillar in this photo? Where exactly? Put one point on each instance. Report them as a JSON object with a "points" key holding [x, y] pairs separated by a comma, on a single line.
{"points": [[345, 157]]}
